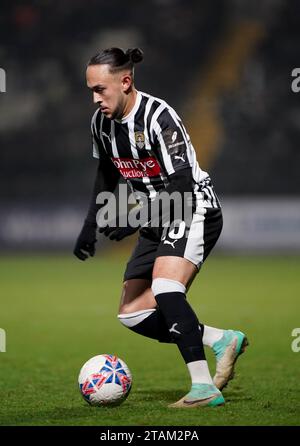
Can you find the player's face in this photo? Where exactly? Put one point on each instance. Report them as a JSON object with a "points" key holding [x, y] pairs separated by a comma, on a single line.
{"points": [[109, 89]]}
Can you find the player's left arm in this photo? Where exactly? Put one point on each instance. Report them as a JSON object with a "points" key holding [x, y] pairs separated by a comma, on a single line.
{"points": [[172, 146], [170, 141]]}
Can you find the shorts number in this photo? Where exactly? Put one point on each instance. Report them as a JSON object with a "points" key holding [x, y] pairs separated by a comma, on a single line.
{"points": [[178, 231]]}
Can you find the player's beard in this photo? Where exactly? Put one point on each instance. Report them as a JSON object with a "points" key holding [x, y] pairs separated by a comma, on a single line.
{"points": [[118, 112]]}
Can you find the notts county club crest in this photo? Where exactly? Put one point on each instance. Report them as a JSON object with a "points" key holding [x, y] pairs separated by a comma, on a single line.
{"points": [[139, 139]]}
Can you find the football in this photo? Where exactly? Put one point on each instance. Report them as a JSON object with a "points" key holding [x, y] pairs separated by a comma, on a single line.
{"points": [[105, 380]]}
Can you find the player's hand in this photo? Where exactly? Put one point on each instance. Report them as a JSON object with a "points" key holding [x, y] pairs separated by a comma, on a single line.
{"points": [[117, 234], [86, 240]]}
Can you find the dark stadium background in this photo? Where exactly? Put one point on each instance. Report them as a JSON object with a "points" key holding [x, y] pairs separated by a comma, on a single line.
{"points": [[226, 67]]}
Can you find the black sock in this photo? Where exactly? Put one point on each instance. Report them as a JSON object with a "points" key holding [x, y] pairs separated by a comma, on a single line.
{"points": [[153, 326], [183, 324]]}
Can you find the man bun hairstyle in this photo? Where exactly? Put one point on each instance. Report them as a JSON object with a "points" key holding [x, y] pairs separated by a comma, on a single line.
{"points": [[118, 59], [136, 55]]}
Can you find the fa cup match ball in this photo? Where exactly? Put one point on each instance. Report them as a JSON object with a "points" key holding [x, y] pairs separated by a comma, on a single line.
{"points": [[105, 380]]}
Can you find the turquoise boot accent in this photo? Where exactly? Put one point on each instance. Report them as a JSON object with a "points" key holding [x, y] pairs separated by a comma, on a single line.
{"points": [[232, 344], [220, 346], [200, 395]]}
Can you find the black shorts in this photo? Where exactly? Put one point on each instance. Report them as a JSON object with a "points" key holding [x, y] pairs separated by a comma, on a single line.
{"points": [[193, 244]]}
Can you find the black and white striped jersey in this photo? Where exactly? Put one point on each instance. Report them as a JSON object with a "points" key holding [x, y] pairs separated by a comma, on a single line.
{"points": [[147, 146]]}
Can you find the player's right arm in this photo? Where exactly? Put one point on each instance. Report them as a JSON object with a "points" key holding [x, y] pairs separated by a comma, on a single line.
{"points": [[107, 178]]}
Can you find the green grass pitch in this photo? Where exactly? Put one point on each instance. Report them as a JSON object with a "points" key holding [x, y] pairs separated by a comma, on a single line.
{"points": [[59, 312]]}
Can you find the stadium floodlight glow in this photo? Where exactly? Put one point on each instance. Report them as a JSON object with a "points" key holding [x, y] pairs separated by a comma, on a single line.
{"points": [[2, 80]]}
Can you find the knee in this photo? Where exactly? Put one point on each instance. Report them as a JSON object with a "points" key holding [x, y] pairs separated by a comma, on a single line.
{"points": [[124, 305], [136, 295], [125, 309], [126, 301]]}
